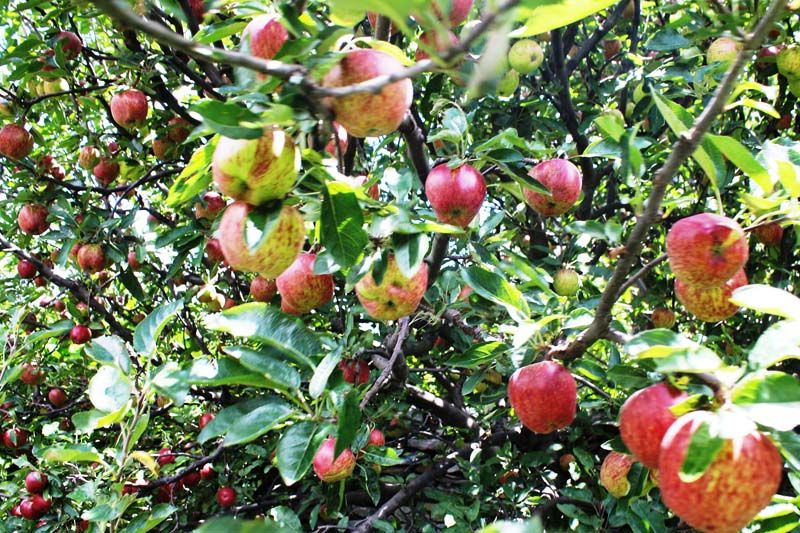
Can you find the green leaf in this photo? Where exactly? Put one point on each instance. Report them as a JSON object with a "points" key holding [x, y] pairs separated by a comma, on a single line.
{"points": [[740, 156], [128, 279], [146, 333], [72, 453], [766, 299], [544, 15], [255, 423], [342, 224], [236, 525], [109, 390], [110, 350], [349, 421], [496, 289], [218, 31], [478, 355], [779, 342], [323, 371], [529, 526], [703, 449], [58, 329], [789, 443], [260, 224], [266, 362], [146, 522], [771, 399], [410, 250], [263, 323], [655, 338], [667, 40], [195, 177], [296, 450], [229, 119], [172, 381], [223, 371]]}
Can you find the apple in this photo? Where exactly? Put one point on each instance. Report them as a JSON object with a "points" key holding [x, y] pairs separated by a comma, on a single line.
{"points": [[81, 526], [256, 170], [396, 296], [566, 282], [784, 123], [26, 269], [192, 479], [211, 206], [770, 234], [91, 258], [207, 471], [368, 114], [165, 493], [376, 438], [15, 438], [458, 10], [31, 374], [441, 41], [301, 290], [264, 36], [198, 8], [663, 318], [562, 179], [263, 289], [275, 251], [32, 219], [165, 456], [80, 334], [178, 129], [614, 474], [508, 84], [710, 303], [15, 142], [611, 48], [27, 510], [205, 418], [106, 171], [113, 147], [735, 487], [544, 396], [723, 50], [525, 56], [57, 397], [214, 251], [330, 469], [456, 194], [226, 497], [706, 249], [133, 261], [164, 149], [355, 371], [341, 134], [766, 59], [565, 461], [129, 108], [70, 43], [788, 62], [644, 419], [35, 482]]}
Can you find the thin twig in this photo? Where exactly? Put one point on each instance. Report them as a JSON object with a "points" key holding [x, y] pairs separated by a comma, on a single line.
{"points": [[400, 337]]}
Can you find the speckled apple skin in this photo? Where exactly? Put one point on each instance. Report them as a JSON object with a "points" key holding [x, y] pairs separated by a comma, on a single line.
{"points": [[723, 50], [738, 484], [256, 170], [301, 290], [277, 251], [788, 62], [706, 249], [544, 396], [129, 108], [367, 114], [459, 10], [396, 296], [263, 289], [710, 303], [457, 194], [769, 234], [328, 470], [644, 419], [562, 179], [267, 36], [32, 219], [663, 318], [614, 473], [15, 142]]}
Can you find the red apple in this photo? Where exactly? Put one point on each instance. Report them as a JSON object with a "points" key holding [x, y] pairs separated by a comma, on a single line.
{"points": [[205, 418], [301, 290], [611, 48], [31, 374], [207, 471], [35, 482], [164, 149], [15, 142], [770, 234], [276, 250], [91, 258], [214, 251], [226, 497], [663, 318], [80, 334], [644, 419], [264, 37], [106, 171], [178, 129], [396, 296], [198, 8], [706, 249], [710, 303], [70, 43], [376, 438], [129, 108], [458, 11], [614, 474], [165, 493], [456, 194], [211, 206], [133, 262], [113, 147], [256, 170], [15, 438], [341, 134], [330, 469], [766, 59], [784, 123], [26, 269], [736, 486], [544, 396], [26, 509], [562, 179], [441, 41], [263, 289], [165, 456], [565, 461], [368, 114], [32, 219], [56, 397]]}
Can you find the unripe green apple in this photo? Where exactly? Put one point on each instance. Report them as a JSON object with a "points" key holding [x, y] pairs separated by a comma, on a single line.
{"points": [[794, 87], [788, 61], [614, 474], [723, 50], [566, 282], [525, 56], [508, 84]]}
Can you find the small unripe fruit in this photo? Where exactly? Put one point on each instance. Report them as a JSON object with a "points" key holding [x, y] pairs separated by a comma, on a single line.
{"points": [[788, 61], [566, 282], [723, 50], [525, 56]]}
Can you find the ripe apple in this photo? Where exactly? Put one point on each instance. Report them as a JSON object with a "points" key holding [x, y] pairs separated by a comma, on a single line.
{"points": [[165, 493], [35, 482], [88, 157], [214, 251], [614, 474], [133, 261], [770, 234], [26, 509], [301, 290], [15, 142], [211, 206], [368, 114], [565, 461], [91, 258], [440, 41], [784, 123], [106, 171], [263, 289], [663, 318], [70, 43], [207, 471], [178, 129], [396, 296], [276, 250], [57, 397], [710, 303], [80, 334], [788, 62], [31, 374], [226, 497], [192, 479], [113, 147], [205, 418], [706, 249], [165, 456], [355, 371], [459, 10], [15, 438], [525, 56], [566, 282], [456, 194], [611, 48], [723, 50], [736, 486], [26, 269], [544, 396], [644, 419], [256, 170], [164, 149], [129, 108], [329, 470], [766, 59], [32, 219], [376, 438], [562, 179], [264, 36], [198, 8]]}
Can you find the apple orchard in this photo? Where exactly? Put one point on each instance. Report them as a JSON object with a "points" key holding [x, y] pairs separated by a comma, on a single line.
{"points": [[362, 265]]}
